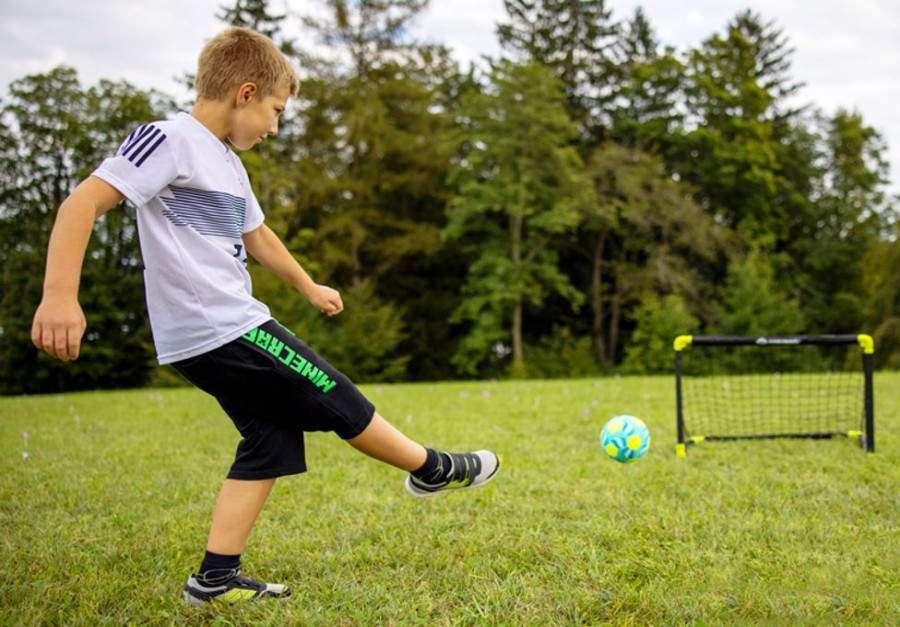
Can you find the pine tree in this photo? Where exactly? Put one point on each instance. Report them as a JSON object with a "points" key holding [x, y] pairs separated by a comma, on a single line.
{"points": [[575, 39], [737, 86], [647, 107]]}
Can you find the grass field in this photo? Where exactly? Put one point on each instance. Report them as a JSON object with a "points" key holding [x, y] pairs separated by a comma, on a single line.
{"points": [[107, 515]]}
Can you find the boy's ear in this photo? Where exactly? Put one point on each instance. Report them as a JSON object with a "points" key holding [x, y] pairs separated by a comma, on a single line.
{"points": [[245, 93]]}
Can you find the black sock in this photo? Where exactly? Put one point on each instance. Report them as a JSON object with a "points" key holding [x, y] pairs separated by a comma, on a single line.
{"points": [[217, 568], [436, 467]]}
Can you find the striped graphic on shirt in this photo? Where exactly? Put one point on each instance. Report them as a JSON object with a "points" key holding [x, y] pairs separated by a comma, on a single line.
{"points": [[207, 212], [141, 143]]}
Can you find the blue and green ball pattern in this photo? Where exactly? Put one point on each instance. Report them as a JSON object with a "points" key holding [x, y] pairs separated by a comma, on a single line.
{"points": [[625, 438]]}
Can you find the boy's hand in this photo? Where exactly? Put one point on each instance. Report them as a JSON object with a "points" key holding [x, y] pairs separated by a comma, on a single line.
{"points": [[58, 327], [325, 299]]}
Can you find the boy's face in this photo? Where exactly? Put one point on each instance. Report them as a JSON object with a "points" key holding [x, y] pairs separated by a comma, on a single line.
{"points": [[255, 118]]}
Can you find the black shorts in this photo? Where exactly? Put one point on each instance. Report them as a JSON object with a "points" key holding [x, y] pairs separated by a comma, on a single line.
{"points": [[274, 388]]}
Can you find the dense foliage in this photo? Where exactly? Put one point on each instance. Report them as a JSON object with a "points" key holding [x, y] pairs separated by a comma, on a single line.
{"points": [[563, 209]]}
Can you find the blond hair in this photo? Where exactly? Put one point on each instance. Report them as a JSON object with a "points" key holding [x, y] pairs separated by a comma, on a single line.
{"points": [[240, 55]]}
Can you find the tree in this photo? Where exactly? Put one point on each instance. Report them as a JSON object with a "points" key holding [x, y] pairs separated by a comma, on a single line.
{"points": [[56, 132], [574, 38], [753, 304], [658, 321], [520, 189], [880, 269], [253, 14], [646, 110], [371, 169], [844, 215], [736, 89], [643, 234]]}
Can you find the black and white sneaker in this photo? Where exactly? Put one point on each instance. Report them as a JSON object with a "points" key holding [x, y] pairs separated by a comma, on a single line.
{"points": [[467, 470], [231, 587]]}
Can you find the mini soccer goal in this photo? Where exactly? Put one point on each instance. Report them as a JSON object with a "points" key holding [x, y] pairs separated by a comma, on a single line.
{"points": [[802, 386]]}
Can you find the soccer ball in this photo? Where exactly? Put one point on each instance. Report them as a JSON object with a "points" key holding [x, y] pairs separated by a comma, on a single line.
{"points": [[625, 438]]}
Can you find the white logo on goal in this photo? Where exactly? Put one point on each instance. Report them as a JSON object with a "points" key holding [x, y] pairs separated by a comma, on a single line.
{"points": [[762, 341]]}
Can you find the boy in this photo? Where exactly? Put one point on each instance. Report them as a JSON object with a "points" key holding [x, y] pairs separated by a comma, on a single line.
{"points": [[198, 220]]}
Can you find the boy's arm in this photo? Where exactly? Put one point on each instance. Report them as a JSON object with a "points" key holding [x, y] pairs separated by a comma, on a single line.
{"points": [[59, 322], [264, 246]]}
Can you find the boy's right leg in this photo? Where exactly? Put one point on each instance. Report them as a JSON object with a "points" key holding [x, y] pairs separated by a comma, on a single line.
{"points": [[384, 442], [431, 472]]}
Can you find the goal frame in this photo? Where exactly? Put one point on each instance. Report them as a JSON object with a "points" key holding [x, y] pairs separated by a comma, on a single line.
{"points": [[865, 342]]}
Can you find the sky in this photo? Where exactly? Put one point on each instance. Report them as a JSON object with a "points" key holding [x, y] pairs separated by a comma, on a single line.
{"points": [[847, 52]]}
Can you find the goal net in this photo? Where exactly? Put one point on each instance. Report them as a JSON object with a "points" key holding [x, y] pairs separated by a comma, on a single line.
{"points": [[802, 386]]}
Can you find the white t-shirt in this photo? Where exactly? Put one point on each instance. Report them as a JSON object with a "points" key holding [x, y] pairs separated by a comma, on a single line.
{"points": [[193, 202]]}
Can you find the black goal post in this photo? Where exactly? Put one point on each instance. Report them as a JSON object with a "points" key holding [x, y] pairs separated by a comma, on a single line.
{"points": [[757, 387]]}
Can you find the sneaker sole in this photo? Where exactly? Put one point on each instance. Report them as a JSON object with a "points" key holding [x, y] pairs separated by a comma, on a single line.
{"points": [[189, 599]]}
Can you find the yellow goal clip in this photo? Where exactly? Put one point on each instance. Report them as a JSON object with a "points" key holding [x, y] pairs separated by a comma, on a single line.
{"points": [[683, 341]]}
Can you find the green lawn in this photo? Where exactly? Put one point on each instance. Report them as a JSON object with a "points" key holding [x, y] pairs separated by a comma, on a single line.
{"points": [[107, 516]]}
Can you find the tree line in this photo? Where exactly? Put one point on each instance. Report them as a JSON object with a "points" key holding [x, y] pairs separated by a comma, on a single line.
{"points": [[564, 209]]}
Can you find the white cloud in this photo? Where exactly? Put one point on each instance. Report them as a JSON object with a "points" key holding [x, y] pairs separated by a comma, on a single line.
{"points": [[465, 26], [149, 43]]}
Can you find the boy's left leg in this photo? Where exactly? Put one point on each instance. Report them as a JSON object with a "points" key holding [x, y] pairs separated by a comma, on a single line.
{"points": [[237, 508], [219, 579]]}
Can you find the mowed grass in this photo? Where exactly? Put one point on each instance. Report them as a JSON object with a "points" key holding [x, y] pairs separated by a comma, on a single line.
{"points": [[107, 516]]}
